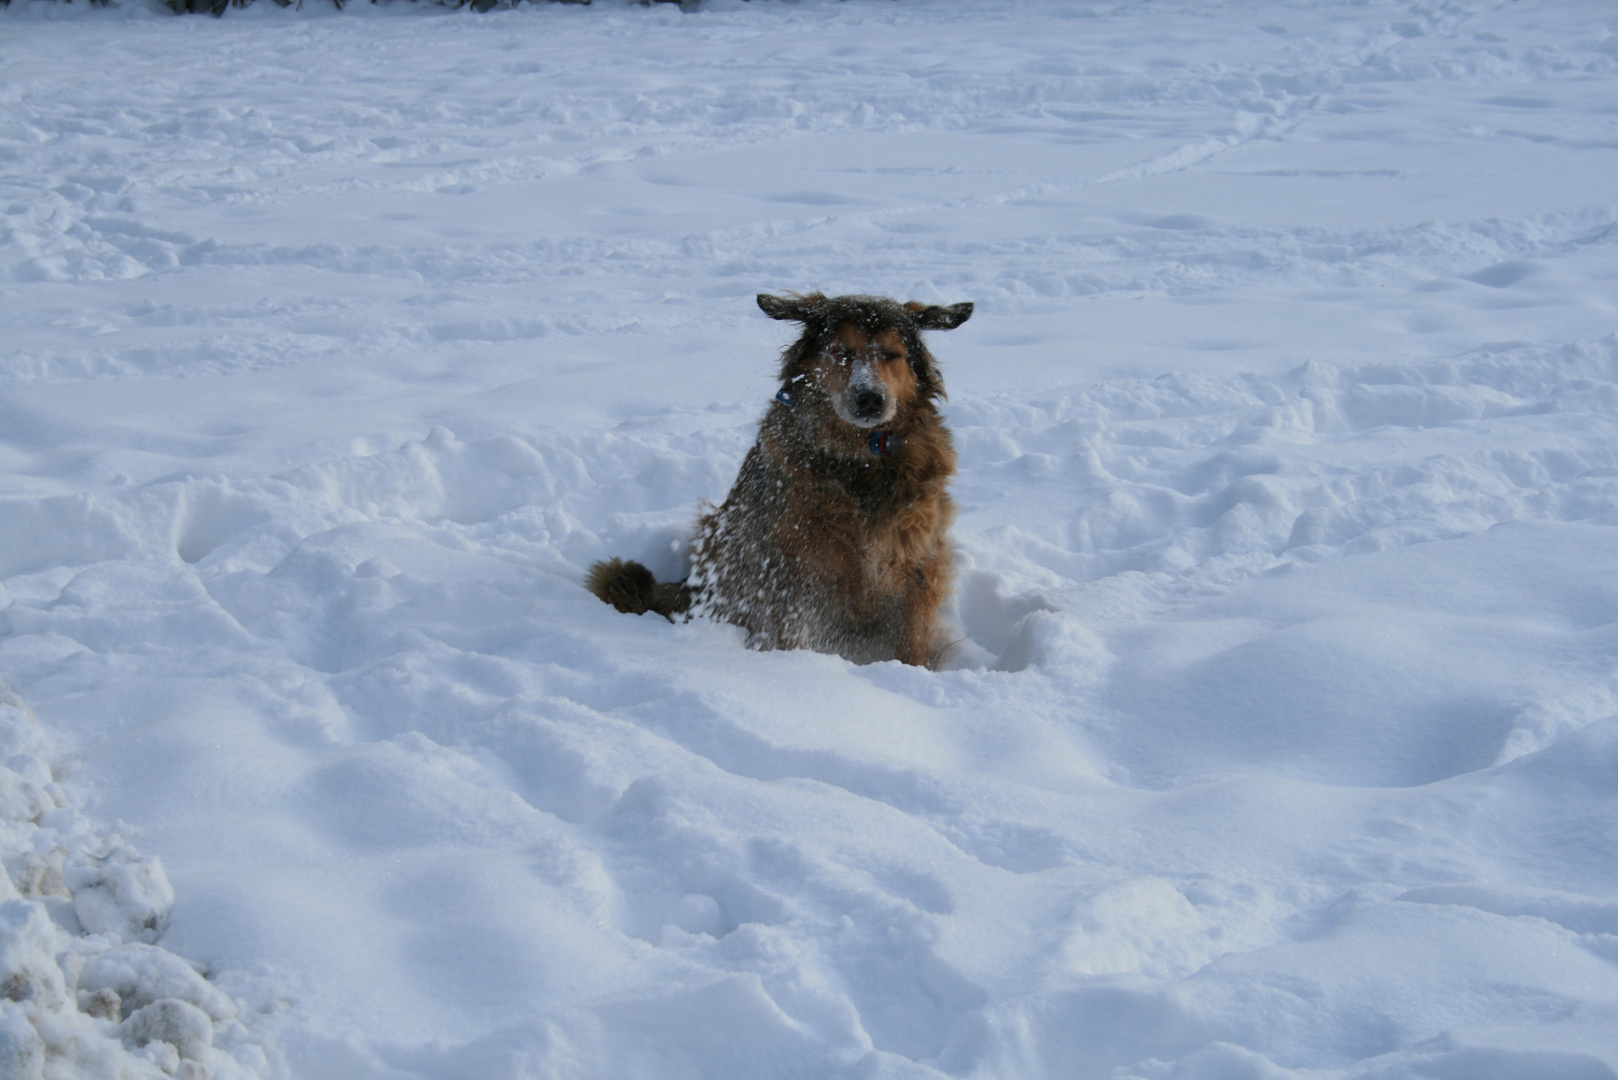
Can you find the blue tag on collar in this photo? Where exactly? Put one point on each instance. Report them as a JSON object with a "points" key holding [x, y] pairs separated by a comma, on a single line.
{"points": [[784, 397], [883, 442]]}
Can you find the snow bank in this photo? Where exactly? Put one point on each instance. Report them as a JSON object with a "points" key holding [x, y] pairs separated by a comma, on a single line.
{"points": [[85, 995]]}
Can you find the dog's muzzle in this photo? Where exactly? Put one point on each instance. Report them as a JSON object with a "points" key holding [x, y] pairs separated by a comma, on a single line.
{"points": [[869, 405], [865, 401]]}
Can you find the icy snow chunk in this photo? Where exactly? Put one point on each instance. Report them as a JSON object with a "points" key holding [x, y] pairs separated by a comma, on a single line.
{"points": [[178, 1023], [119, 893], [22, 1052], [103, 1004], [24, 780], [143, 974], [36, 875], [28, 969]]}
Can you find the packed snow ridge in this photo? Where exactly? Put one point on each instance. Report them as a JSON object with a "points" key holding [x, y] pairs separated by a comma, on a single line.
{"points": [[1280, 741]]}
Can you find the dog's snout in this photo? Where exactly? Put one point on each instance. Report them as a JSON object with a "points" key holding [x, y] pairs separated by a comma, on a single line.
{"points": [[869, 403]]}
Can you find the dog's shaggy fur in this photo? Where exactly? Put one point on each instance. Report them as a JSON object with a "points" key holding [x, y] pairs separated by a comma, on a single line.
{"points": [[833, 536]]}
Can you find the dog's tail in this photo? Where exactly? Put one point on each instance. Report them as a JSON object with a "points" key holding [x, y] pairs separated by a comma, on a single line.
{"points": [[630, 587]]}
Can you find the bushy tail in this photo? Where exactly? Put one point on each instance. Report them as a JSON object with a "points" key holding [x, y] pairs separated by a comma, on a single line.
{"points": [[630, 587]]}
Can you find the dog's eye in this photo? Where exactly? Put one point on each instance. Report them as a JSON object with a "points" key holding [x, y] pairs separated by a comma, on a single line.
{"points": [[892, 356]]}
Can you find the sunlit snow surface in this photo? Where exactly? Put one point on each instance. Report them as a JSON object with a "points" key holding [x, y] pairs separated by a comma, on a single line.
{"points": [[1282, 740]]}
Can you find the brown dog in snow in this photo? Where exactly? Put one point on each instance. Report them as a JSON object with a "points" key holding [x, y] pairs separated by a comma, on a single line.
{"points": [[833, 536]]}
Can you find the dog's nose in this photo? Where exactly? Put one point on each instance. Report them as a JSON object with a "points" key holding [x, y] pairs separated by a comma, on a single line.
{"points": [[868, 403]]}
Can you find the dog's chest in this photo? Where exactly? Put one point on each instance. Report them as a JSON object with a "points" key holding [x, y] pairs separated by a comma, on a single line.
{"points": [[867, 525]]}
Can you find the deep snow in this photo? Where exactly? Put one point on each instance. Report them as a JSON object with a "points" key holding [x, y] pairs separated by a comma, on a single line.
{"points": [[1282, 740]]}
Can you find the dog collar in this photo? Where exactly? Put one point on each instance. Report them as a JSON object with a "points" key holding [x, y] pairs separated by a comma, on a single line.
{"points": [[882, 443]]}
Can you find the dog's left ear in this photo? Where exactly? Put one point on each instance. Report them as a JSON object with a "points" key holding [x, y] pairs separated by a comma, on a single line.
{"points": [[797, 307], [934, 317]]}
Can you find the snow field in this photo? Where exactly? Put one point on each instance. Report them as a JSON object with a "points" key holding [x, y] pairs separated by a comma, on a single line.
{"points": [[1281, 736]]}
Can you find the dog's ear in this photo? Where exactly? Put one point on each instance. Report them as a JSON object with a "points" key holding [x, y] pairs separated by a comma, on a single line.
{"points": [[795, 306], [934, 317]]}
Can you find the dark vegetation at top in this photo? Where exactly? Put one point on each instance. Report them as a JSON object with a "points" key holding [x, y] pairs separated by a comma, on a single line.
{"points": [[218, 7]]}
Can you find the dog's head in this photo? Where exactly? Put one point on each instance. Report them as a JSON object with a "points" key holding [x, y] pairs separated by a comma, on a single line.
{"points": [[862, 356]]}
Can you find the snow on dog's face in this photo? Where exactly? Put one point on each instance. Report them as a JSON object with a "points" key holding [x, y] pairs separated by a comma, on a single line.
{"points": [[866, 377], [860, 361]]}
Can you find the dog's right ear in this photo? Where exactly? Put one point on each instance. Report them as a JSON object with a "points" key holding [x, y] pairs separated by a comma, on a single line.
{"points": [[932, 317], [794, 306]]}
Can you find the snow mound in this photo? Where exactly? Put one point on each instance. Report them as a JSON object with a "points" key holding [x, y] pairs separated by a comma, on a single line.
{"points": [[85, 996]]}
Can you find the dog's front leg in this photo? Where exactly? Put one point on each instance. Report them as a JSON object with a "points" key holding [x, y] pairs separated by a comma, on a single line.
{"points": [[918, 619]]}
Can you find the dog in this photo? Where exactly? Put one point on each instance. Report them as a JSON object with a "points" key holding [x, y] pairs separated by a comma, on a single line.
{"points": [[833, 536]]}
